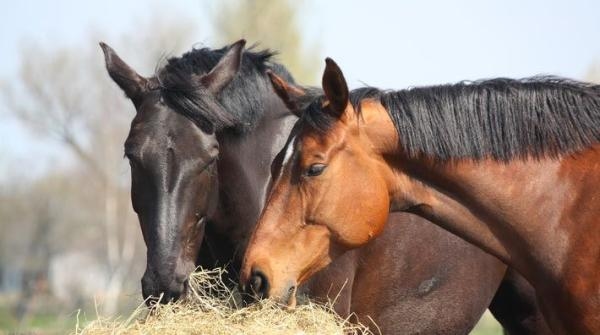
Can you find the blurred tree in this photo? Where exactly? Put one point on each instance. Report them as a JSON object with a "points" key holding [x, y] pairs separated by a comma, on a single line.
{"points": [[65, 94], [272, 24], [64, 106]]}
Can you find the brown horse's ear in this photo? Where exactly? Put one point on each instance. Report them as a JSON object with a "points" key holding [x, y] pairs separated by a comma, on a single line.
{"points": [[335, 87], [130, 81], [289, 93], [225, 70]]}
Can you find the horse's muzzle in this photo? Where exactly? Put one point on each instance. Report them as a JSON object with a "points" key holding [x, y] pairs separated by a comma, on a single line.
{"points": [[258, 287], [164, 290]]}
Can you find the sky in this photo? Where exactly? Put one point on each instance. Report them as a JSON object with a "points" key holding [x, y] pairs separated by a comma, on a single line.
{"points": [[388, 44]]}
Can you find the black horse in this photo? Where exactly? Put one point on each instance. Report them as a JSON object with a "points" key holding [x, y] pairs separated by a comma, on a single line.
{"points": [[211, 104]]}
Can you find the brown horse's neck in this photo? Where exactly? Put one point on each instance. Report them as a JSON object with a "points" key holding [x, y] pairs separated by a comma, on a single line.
{"points": [[511, 210], [540, 216], [522, 211]]}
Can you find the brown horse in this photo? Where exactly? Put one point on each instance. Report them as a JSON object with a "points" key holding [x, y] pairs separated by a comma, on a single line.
{"points": [[511, 165]]}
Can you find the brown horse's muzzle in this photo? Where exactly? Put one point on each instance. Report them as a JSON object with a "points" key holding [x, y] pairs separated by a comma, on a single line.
{"points": [[258, 286]]}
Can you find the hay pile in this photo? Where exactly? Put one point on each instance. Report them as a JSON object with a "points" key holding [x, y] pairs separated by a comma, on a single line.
{"points": [[210, 309]]}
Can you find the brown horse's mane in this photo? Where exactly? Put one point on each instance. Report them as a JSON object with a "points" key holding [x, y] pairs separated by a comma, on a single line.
{"points": [[499, 118]]}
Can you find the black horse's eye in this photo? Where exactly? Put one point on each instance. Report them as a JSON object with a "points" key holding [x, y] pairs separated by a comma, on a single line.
{"points": [[315, 169], [131, 160]]}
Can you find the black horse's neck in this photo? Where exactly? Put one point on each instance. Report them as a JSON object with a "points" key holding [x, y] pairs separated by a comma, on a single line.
{"points": [[244, 171]]}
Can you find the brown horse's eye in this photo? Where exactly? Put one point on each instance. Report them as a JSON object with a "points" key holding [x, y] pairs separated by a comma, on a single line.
{"points": [[315, 169]]}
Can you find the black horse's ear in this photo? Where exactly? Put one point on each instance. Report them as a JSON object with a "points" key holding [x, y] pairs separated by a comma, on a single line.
{"points": [[130, 81], [225, 70], [335, 87], [289, 93]]}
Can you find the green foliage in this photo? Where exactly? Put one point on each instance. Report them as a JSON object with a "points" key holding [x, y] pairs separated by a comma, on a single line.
{"points": [[271, 24], [41, 322]]}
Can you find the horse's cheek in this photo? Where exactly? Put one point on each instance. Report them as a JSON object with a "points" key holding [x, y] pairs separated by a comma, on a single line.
{"points": [[379, 211], [370, 207]]}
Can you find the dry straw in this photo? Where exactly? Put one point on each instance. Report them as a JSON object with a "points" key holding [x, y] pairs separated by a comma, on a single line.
{"points": [[211, 309]]}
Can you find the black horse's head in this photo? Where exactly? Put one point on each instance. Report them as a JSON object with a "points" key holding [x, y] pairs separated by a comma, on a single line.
{"points": [[173, 168]]}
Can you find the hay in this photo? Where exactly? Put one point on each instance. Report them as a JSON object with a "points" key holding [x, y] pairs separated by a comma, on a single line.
{"points": [[211, 309]]}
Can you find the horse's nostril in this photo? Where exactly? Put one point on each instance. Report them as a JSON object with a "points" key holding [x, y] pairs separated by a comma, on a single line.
{"points": [[181, 278], [173, 296], [258, 284], [164, 290]]}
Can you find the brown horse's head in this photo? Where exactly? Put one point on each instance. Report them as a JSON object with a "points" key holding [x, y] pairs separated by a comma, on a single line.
{"points": [[329, 196], [173, 171]]}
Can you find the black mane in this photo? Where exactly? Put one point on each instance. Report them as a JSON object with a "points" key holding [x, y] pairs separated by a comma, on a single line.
{"points": [[499, 118], [237, 107]]}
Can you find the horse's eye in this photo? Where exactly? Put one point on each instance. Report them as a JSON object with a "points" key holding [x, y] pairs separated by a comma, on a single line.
{"points": [[133, 161], [132, 164], [315, 169]]}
